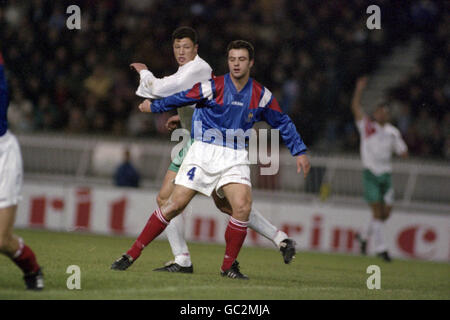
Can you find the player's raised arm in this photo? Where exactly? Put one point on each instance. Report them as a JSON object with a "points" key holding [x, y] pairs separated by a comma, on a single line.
{"points": [[273, 115], [156, 88], [357, 110]]}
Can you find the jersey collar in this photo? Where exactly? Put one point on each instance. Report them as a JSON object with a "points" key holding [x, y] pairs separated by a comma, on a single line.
{"points": [[233, 88]]}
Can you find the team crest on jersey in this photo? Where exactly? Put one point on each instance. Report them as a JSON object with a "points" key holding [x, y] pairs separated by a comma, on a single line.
{"points": [[250, 117]]}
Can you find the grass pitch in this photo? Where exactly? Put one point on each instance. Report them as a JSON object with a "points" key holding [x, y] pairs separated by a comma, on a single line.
{"points": [[309, 276]]}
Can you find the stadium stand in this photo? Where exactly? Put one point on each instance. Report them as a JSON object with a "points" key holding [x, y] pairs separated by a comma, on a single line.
{"points": [[310, 53]]}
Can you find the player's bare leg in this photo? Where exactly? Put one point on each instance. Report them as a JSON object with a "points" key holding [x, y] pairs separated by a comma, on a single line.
{"points": [[174, 231], [258, 223], [158, 221], [240, 199], [22, 255], [9, 243], [386, 211]]}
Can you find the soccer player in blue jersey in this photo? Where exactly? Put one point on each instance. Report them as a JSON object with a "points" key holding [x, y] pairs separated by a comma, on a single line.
{"points": [[191, 70], [225, 105], [11, 173]]}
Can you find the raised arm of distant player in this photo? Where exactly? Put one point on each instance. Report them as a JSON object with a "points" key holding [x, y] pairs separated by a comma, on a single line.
{"points": [[157, 88], [357, 110]]}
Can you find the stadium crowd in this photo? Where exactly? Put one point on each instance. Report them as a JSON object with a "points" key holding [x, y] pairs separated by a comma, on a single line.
{"points": [[309, 52]]}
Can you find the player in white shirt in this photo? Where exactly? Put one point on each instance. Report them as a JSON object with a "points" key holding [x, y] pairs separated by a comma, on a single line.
{"points": [[193, 69], [379, 140]]}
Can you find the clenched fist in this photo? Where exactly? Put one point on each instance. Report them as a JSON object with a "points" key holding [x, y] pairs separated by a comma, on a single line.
{"points": [[145, 106]]}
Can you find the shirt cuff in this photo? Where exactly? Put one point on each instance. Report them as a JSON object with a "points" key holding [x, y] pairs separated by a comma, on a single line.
{"points": [[300, 153], [145, 73]]}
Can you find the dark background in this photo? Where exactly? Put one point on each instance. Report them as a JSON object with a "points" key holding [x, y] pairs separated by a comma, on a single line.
{"points": [[308, 53]]}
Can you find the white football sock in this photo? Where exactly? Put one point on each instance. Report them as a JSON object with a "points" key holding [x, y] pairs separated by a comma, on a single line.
{"points": [[378, 230], [175, 235], [368, 232], [183, 260], [263, 226]]}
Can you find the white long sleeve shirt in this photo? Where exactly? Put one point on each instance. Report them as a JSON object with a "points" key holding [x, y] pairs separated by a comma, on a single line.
{"points": [[197, 70], [377, 145]]}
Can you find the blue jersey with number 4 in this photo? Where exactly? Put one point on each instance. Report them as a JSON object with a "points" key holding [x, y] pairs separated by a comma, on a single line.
{"points": [[222, 111]]}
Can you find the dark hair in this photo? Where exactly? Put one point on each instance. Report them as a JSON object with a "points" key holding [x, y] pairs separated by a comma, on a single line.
{"points": [[241, 44], [185, 32]]}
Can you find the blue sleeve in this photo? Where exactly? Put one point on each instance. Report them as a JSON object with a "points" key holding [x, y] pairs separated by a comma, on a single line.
{"points": [[3, 88], [180, 99], [281, 121], [4, 99]]}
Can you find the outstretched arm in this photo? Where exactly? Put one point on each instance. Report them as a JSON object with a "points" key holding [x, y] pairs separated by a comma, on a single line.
{"points": [[357, 110], [157, 88], [199, 93]]}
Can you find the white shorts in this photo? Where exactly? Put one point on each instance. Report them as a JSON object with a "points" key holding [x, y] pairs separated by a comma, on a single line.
{"points": [[207, 167], [11, 171]]}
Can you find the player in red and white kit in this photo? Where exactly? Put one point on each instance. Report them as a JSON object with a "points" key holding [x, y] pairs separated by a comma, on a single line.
{"points": [[11, 172]]}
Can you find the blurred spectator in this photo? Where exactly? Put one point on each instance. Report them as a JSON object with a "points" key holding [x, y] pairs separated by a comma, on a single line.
{"points": [[98, 83], [424, 118], [20, 113], [126, 175]]}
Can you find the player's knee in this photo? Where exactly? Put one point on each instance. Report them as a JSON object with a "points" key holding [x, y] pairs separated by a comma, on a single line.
{"points": [[160, 200], [173, 207], [242, 209]]}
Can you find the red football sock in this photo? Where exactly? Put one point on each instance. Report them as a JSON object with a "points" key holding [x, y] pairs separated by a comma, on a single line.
{"points": [[234, 238], [25, 259], [155, 225]]}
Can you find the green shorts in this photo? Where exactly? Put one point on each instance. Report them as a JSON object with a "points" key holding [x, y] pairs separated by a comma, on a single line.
{"points": [[378, 188], [176, 162]]}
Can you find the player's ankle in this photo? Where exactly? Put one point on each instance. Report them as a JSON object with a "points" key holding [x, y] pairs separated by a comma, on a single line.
{"points": [[279, 236], [183, 260]]}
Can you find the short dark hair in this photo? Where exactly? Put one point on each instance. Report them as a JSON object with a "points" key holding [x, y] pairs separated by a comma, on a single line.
{"points": [[185, 32], [241, 44]]}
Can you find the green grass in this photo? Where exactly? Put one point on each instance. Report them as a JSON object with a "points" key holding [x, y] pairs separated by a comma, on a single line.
{"points": [[310, 276]]}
